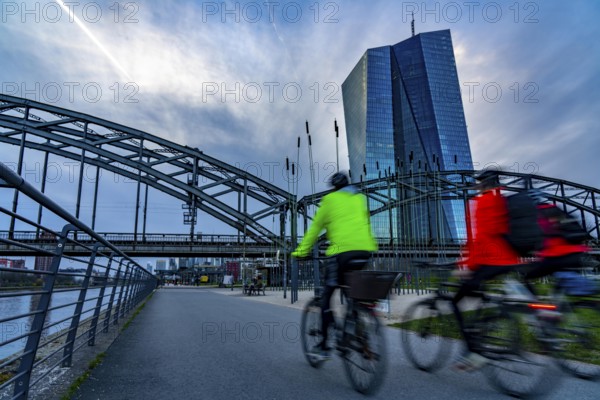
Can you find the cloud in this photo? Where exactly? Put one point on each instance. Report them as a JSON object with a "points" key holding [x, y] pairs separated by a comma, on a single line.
{"points": [[230, 87]]}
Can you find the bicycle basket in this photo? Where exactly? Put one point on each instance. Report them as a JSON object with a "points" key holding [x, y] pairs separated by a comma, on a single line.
{"points": [[370, 285]]}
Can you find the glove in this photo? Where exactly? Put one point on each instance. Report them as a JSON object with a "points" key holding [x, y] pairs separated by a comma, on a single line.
{"points": [[299, 254]]}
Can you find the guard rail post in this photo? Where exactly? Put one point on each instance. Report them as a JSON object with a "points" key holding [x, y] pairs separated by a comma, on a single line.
{"points": [[94, 327], [70, 342], [112, 298], [21, 388]]}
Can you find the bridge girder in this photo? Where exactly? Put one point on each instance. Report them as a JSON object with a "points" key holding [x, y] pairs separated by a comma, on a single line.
{"points": [[459, 185], [146, 159], [164, 165]]}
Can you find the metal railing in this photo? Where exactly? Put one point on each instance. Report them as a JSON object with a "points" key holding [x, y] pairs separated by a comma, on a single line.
{"points": [[64, 304], [116, 237], [415, 278]]}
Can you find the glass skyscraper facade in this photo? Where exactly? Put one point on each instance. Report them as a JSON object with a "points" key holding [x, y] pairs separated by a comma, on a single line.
{"points": [[403, 112]]}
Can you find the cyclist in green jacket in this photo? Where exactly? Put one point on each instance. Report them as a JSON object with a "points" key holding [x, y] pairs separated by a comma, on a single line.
{"points": [[345, 217]]}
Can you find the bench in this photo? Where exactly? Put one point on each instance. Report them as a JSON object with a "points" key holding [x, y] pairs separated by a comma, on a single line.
{"points": [[249, 290]]}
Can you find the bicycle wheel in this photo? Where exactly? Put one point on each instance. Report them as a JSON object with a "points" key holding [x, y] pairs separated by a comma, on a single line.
{"points": [[311, 334], [423, 334], [364, 350], [495, 330], [519, 364], [577, 336]]}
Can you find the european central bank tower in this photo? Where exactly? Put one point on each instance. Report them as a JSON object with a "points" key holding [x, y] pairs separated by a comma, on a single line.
{"points": [[403, 112]]}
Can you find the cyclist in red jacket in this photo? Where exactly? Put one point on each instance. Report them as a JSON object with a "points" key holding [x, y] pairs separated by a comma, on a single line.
{"points": [[557, 253], [489, 253]]}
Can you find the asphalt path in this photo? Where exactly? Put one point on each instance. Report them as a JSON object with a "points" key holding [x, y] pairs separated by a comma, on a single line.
{"points": [[199, 344]]}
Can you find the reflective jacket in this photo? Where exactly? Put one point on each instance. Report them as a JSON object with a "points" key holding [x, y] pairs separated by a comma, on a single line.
{"points": [[345, 217]]}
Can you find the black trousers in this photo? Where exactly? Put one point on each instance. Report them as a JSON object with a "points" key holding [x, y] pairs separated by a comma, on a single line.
{"points": [[467, 289], [336, 269]]}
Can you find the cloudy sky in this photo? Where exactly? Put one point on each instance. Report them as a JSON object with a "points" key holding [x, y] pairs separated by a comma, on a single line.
{"points": [[239, 79]]}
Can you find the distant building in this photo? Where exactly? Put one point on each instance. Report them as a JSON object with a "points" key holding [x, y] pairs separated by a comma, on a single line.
{"points": [[184, 262], [232, 268], [43, 263], [161, 265], [404, 114]]}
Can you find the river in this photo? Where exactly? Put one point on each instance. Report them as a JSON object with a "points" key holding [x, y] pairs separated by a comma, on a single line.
{"points": [[12, 306]]}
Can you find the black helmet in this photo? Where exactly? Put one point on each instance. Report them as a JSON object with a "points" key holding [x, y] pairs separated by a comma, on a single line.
{"points": [[538, 196], [488, 177], [339, 180]]}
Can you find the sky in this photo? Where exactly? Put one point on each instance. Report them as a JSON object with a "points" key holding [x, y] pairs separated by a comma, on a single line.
{"points": [[239, 80]]}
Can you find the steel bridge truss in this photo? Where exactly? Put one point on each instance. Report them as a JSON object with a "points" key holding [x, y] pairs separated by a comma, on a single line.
{"points": [[199, 181], [397, 191], [204, 183]]}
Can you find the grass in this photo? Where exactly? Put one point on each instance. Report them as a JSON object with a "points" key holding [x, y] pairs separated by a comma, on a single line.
{"points": [[136, 312], [75, 385], [443, 325], [96, 361], [585, 320], [5, 376]]}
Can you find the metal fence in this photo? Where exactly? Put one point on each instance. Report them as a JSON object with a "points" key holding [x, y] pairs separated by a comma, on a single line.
{"points": [[65, 303], [419, 275]]}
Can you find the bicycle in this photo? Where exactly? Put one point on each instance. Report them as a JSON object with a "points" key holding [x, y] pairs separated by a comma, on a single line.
{"points": [[514, 367], [358, 337], [575, 332]]}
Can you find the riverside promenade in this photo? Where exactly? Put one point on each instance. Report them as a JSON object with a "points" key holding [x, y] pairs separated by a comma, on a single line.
{"points": [[397, 304], [201, 343]]}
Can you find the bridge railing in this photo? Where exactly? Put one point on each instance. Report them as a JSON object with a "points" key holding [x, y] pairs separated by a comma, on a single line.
{"points": [[407, 258], [55, 307], [117, 237]]}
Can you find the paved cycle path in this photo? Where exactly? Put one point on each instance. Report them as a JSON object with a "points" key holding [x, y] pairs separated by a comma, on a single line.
{"points": [[200, 344]]}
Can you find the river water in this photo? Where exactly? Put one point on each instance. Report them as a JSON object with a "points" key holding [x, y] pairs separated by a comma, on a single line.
{"points": [[13, 306]]}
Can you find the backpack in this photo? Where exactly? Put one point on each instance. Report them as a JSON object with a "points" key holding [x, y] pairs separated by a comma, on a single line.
{"points": [[565, 225], [575, 284], [524, 232]]}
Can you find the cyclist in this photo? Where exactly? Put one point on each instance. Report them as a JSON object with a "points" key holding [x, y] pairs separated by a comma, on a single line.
{"points": [[344, 215], [557, 253], [489, 254]]}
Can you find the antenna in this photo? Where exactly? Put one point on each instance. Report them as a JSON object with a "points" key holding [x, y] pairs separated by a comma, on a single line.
{"points": [[310, 160], [412, 24], [298, 165], [337, 138]]}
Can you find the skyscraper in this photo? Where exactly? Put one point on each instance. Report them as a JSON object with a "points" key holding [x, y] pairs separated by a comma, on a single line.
{"points": [[403, 112]]}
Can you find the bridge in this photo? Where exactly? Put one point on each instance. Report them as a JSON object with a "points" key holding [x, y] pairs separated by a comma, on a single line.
{"points": [[86, 283], [260, 213]]}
